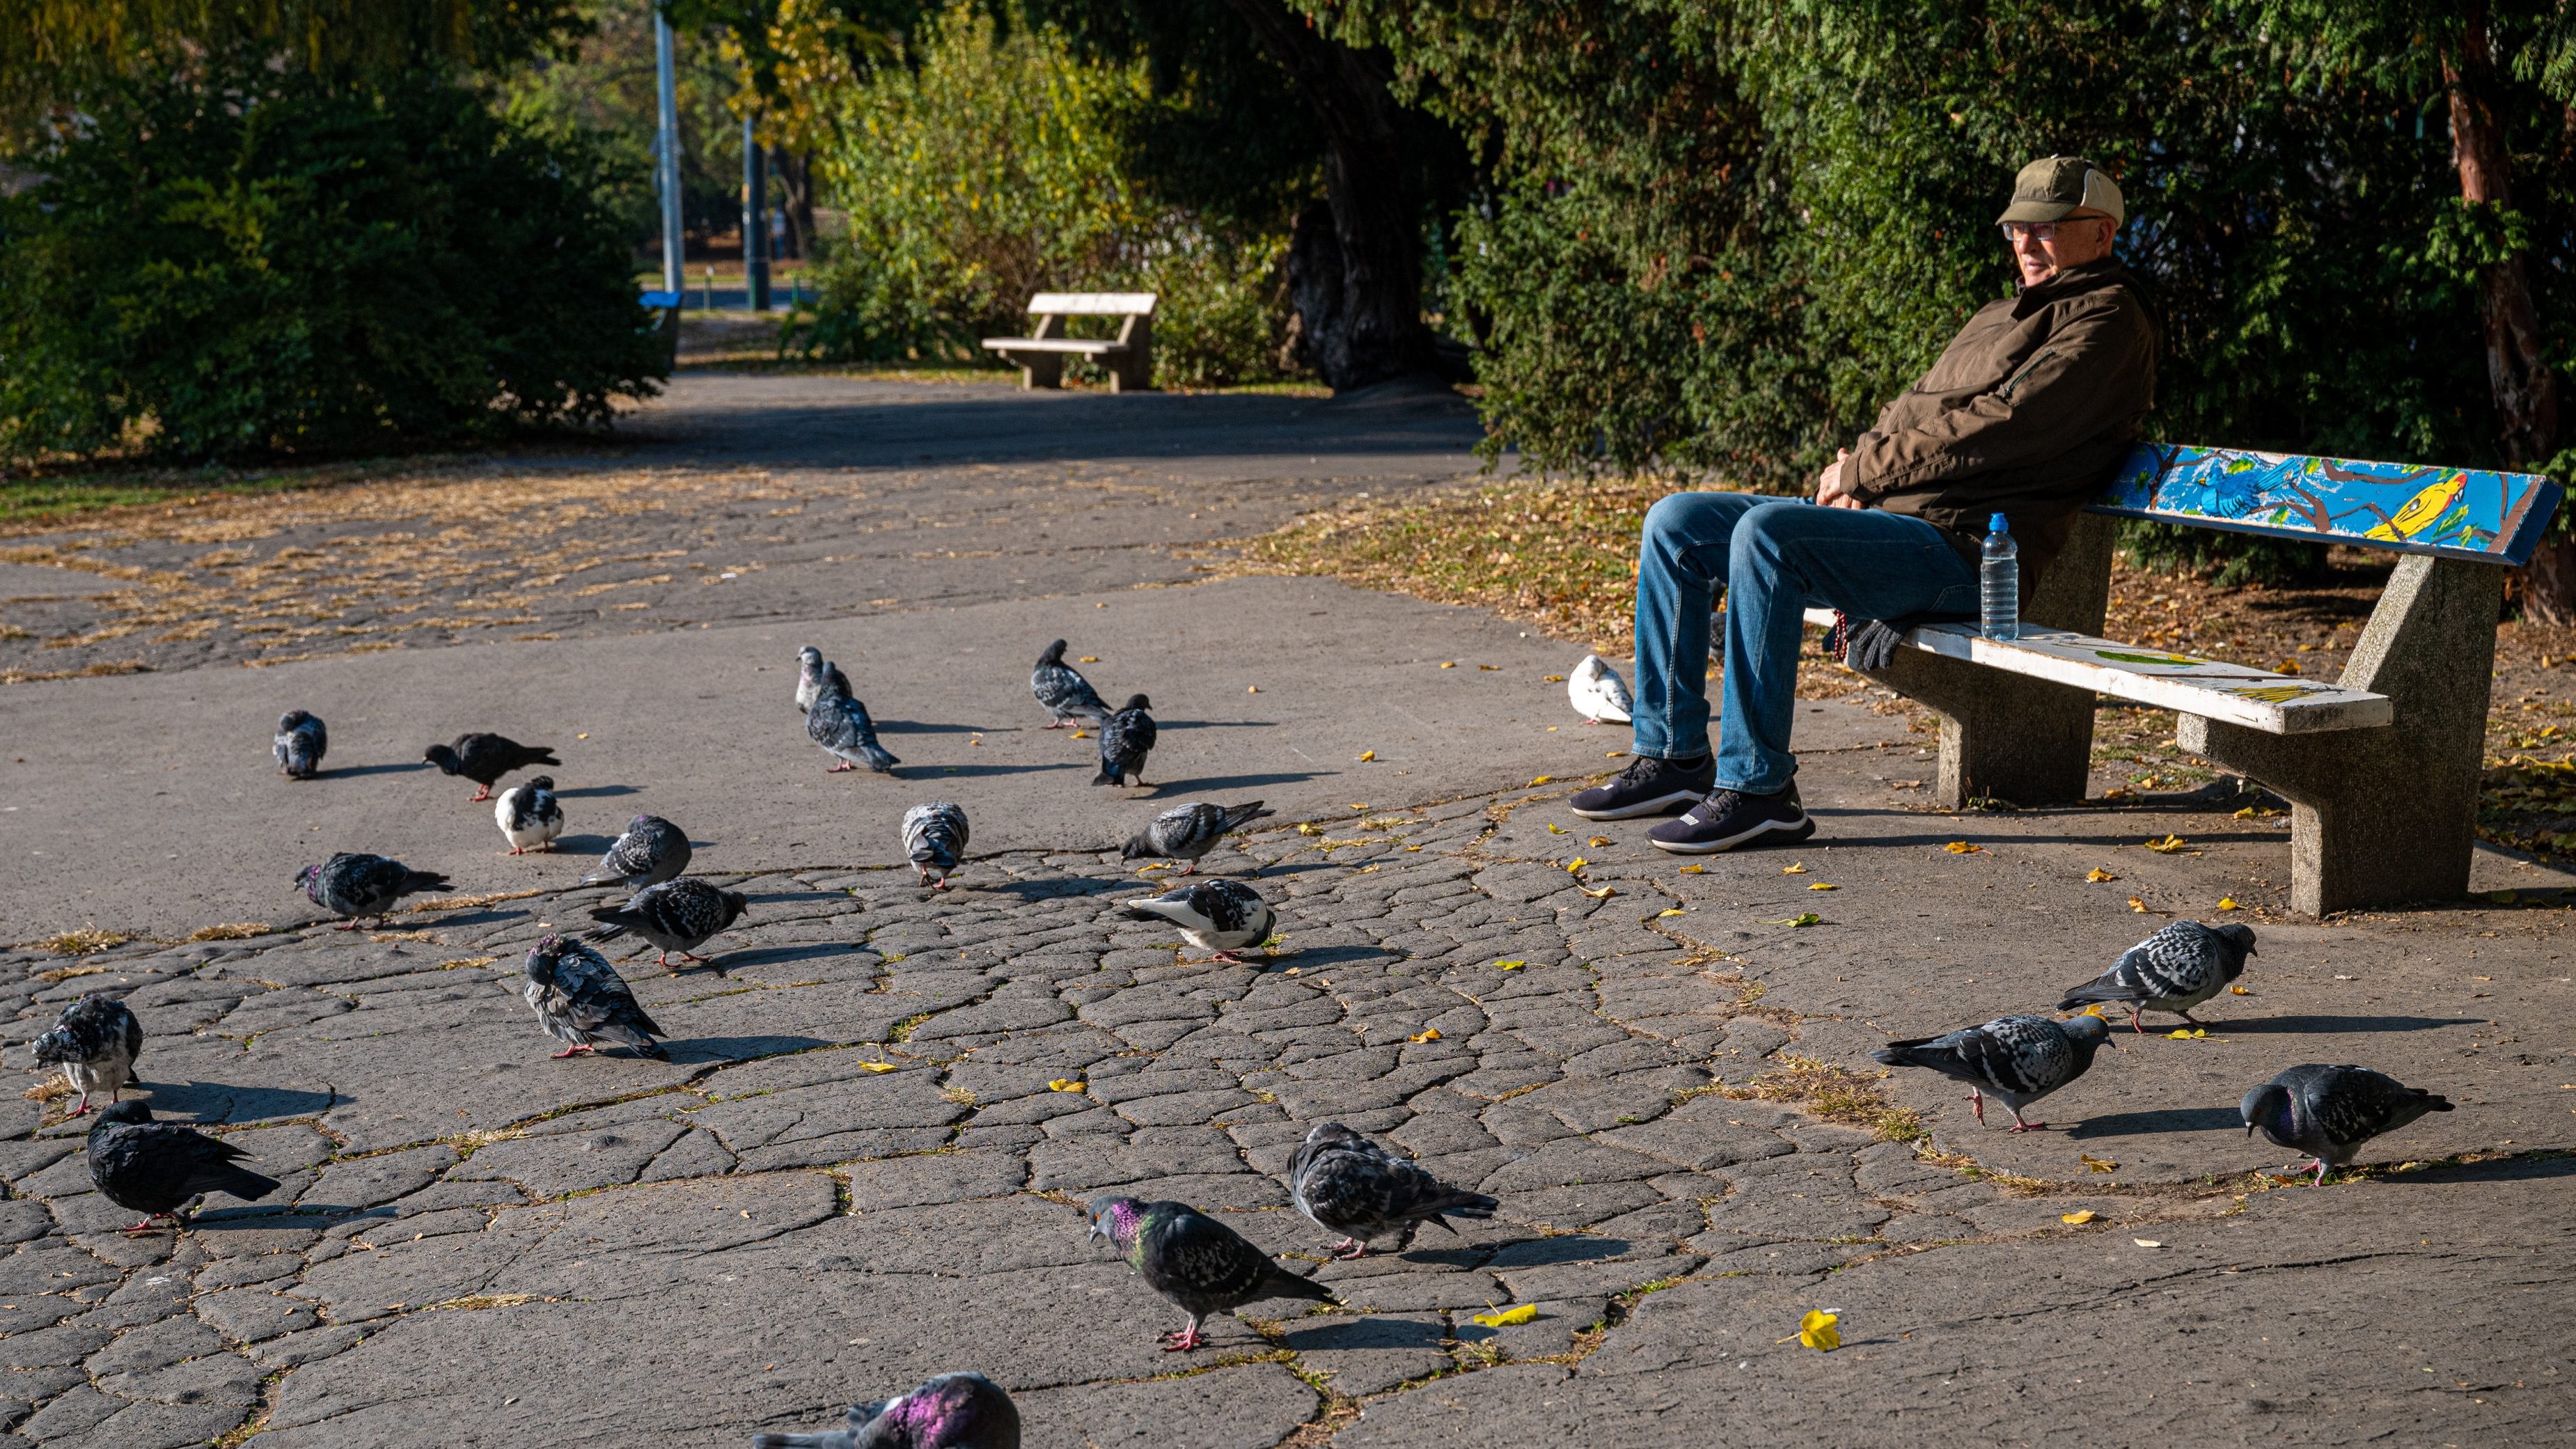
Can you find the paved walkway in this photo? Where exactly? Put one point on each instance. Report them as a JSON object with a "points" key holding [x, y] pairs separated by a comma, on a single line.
{"points": [[479, 1245]]}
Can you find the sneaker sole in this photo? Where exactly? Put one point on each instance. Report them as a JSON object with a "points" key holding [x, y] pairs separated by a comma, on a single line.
{"points": [[1661, 805], [1788, 835]]}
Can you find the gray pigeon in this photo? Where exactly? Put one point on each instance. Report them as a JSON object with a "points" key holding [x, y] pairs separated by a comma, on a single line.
{"points": [[580, 998], [363, 885], [2176, 969], [300, 744], [2020, 1059], [952, 1411], [1126, 738], [814, 674], [2328, 1112], [529, 815], [1062, 692], [1352, 1187], [1198, 1263], [484, 759], [1219, 915], [677, 915], [840, 724], [651, 851], [934, 838], [1187, 832], [95, 1042], [156, 1168]]}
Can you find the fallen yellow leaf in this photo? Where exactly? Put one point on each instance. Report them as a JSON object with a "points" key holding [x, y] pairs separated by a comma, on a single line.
{"points": [[581, 737], [2197, 1033], [1794, 868], [2097, 875], [2168, 845], [1489, 668], [1961, 847], [1157, 865], [2098, 1164], [2078, 1219], [1675, 911], [1817, 1330], [1367, 755], [1252, 689], [1603, 894], [1412, 849], [1428, 1033], [1541, 780], [1555, 829], [1359, 804], [1082, 734], [1509, 965], [1452, 664], [1509, 1317], [2239, 991], [1089, 658], [1824, 885], [2228, 903], [1310, 828], [1598, 841], [2136, 904], [876, 1066], [2146, 1242], [1065, 1084], [1577, 863], [1551, 679], [1803, 918], [1694, 870]]}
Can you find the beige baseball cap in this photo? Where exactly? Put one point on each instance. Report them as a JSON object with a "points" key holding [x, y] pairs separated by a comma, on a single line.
{"points": [[2060, 186]]}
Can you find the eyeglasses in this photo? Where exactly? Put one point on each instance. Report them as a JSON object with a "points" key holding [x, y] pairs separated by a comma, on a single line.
{"points": [[2039, 230]]}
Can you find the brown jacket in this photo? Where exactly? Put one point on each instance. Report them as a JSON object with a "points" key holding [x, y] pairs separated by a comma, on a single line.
{"points": [[2028, 414]]}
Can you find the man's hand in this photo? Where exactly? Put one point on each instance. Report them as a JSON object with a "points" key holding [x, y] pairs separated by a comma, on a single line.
{"points": [[1829, 484]]}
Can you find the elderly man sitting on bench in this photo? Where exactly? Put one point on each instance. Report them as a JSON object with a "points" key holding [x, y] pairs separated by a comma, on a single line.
{"points": [[2027, 413]]}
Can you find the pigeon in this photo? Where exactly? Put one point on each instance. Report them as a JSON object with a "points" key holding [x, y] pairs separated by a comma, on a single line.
{"points": [[1126, 738], [651, 851], [301, 742], [840, 724], [157, 1167], [2018, 1058], [952, 1411], [484, 759], [1198, 1263], [1187, 832], [580, 998], [2328, 1112], [1219, 915], [934, 838], [677, 915], [363, 885], [1599, 694], [1062, 692], [1352, 1187], [95, 1042], [2176, 969], [530, 815], [814, 674]]}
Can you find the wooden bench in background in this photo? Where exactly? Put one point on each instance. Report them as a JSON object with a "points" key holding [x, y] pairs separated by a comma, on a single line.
{"points": [[1129, 356], [2381, 766]]}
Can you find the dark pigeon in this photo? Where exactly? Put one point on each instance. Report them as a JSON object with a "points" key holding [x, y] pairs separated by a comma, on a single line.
{"points": [[2019, 1059], [529, 815], [95, 1042], [677, 915], [952, 1411], [1198, 1263], [580, 998], [2329, 1112], [363, 885], [2173, 970], [300, 745], [1188, 832], [155, 1168], [840, 724], [814, 674], [1062, 692], [1126, 738], [1352, 1187], [651, 851], [1222, 916], [934, 839], [484, 759]]}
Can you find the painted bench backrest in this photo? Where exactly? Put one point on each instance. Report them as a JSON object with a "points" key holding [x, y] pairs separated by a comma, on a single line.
{"points": [[2464, 513]]}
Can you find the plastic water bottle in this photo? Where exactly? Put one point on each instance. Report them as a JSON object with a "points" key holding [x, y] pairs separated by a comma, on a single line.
{"points": [[1999, 583]]}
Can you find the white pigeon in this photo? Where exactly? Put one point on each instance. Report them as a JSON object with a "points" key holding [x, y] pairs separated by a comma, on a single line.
{"points": [[1599, 694], [529, 815], [1219, 915]]}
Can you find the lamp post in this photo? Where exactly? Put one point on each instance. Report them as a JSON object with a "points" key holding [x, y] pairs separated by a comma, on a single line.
{"points": [[666, 146], [755, 218]]}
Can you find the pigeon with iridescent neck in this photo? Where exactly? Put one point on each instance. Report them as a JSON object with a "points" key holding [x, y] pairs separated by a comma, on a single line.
{"points": [[2329, 1112], [952, 1411], [1198, 1263]]}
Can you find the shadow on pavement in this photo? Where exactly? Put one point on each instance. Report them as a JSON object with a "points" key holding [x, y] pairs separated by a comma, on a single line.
{"points": [[202, 1104], [2321, 1024], [2177, 1119], [1232, 782], [352, 771], [596, 790], [738, 1048]]}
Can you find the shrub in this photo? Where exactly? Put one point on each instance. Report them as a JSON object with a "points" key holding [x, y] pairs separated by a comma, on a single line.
{"points": [[235, 259]]}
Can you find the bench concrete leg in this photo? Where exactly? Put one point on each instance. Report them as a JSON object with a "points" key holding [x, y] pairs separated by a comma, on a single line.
{"points": [[2384, 817], [2003, 736], [1041, 369], [1133, 370]]}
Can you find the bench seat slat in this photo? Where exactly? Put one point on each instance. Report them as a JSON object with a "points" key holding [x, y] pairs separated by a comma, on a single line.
{"points": [[2281, 704], [1096, 347], [2466, 513], [1092, 304]]}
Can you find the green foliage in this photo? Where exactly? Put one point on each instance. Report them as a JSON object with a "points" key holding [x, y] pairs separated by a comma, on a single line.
{"points": [[1218, 310], [247, 259]]}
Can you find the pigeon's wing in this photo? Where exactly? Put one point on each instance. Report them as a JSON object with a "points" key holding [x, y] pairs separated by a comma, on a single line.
{"points": [[2183, 959], [2353, 1104], [1614, 693], [1241, 816], [204, 1164], [1231, 905], [2023, 1054], [599, 1001], [1190, 1255]]}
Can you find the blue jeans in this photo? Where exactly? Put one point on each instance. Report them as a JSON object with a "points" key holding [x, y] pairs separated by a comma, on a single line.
{"points": [[1774, 557]]}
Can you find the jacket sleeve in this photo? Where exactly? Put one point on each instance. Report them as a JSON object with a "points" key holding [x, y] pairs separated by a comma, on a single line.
{"points": [[2090, 374]]}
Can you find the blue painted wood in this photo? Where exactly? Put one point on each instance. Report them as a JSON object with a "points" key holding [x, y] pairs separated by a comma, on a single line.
{"points": [[2465, 513]]}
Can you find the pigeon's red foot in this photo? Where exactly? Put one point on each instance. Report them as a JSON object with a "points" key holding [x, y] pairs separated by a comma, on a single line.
{"points": [[2022, 1126], [685, 956], [1190, 869], [1059, 724], [1977, 1100], [80, 1111], [574, 1051], [146, 1226], [483, 794], [1182, 1340], [1225, 956], [518, 850], [836, 769], [349, 925], [1356, 1250]]}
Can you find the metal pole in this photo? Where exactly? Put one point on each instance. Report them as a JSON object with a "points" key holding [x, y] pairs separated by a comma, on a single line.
{"points": [[667, 147], [755, 218]]}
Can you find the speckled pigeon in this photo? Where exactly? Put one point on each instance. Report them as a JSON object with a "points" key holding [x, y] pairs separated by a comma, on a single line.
{"points": [[840, 724], [1188, 832], [814, 674], [300, 745], [651, 851], [529, 815], [1126, 738], [1222, 916], [677, 915], [353, 885], [1198, 1263], [155, 1168], [2176, 969], [1356, 1189], [484, 759], [952, 1411], [934, 839], [2328, 1112], [2019, 1059], [1062, 692], [580, 998], [95, 1042]]}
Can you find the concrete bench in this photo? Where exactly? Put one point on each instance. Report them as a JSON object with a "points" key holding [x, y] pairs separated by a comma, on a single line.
{"points": [[1129, 356], [2381, 766]]}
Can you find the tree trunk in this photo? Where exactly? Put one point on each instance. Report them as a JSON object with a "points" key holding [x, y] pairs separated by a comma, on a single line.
{"points": [[1354, 265], [2518, 371], [793, 171]]}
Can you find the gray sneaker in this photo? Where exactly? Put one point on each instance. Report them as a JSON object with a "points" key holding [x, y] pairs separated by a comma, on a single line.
{"points": [[1647, 787]]}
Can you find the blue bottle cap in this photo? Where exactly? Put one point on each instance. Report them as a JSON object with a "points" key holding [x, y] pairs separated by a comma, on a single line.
{"points": [[1996, 524]]}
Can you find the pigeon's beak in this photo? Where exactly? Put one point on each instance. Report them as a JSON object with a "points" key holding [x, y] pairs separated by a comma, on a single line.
{"points": [[2249, 1131], [1098, 1231]]}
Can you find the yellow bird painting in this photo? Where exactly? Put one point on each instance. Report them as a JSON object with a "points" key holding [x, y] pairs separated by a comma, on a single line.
{"points": [[2421, 510]]}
